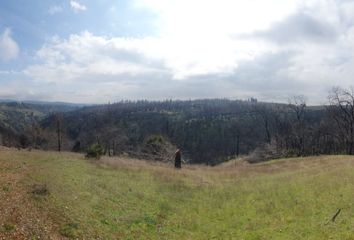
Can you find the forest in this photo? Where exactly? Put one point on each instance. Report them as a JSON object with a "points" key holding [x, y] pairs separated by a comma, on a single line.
{"points": [[208, 131]]}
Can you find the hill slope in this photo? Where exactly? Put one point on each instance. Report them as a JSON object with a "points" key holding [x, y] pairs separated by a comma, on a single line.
{"points": [[46, 194], [208, 131], [19, 121]]}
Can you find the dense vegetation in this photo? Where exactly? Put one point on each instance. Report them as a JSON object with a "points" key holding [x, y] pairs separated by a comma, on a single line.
{"points": [[19, 122], [207, 131]]}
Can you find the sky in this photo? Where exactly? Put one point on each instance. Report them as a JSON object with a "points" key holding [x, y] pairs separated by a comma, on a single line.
{"points": [[89, 51]]}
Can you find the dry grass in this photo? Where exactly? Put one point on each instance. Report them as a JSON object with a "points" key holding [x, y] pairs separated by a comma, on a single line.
{"points": [[18, 209]]}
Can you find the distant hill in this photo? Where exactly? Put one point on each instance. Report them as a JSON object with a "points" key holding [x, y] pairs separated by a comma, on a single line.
{"points": [[203, 129], [17, 118], [208, 131], [61, 106]]}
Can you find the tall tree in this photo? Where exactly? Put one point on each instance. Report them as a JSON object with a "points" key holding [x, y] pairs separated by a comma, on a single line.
{"points": [[58, 120], [298, 105], [341, 109]]}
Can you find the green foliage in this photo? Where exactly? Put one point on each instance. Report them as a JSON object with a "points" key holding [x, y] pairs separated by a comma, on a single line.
{"points": [[40, 190], [69, 230], [8, 227], [6, 187], [94, 151], [155, 140]]}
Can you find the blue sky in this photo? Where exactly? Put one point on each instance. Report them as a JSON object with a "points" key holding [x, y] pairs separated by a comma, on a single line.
{"points": [[103, 51], [37, 20], [34, 22]]}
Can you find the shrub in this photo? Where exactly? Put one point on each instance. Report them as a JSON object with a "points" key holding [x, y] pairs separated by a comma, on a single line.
{"points": [[265, 152], [40, 190], [8, 227], [155, 140], [94, 151], [6, 188], [77, 147], [69, 230]]}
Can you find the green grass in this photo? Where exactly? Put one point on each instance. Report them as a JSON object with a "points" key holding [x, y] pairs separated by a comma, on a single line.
{"points": [[8, 227], [127, 199]]}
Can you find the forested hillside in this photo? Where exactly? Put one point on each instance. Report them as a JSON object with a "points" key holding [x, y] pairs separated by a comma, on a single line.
{"points": [[208, 131], [20, 120]]}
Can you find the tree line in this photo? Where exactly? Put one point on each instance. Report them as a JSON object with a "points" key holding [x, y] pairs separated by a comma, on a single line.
{"points": [[208, 131]]}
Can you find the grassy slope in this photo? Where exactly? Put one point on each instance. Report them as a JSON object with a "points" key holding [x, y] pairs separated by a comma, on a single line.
{"points": [[128, 199]]}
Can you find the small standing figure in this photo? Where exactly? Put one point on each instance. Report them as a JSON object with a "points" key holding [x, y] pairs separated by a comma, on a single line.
{"points": [[178, 159]]}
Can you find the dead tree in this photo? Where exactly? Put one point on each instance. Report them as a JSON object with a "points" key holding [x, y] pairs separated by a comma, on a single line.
{"points": [[341, 110], [266, 115], [58, 123], [298, 105]]}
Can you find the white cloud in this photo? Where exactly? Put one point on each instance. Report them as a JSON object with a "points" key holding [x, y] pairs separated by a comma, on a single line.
{"points": [[198, 52], [9, 49], [85, 55], [55, 9], [76, 6], [220, 17], [197, 36]]}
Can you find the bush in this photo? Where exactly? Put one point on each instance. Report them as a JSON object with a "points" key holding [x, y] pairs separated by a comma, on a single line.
{"points": [[264, 153], [40, 190], [77, 147], [155, 140], [8, 227], [94, 151], [69, 230]]}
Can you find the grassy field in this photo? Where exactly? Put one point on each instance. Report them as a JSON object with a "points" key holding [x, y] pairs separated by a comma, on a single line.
{"points": [[46, 195]]}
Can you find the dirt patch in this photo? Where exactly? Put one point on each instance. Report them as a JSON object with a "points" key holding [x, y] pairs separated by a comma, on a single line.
{"points": [[20, 218]]}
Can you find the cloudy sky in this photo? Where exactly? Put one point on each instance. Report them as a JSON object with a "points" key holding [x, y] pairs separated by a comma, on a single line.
{"points": [[90, 51]]}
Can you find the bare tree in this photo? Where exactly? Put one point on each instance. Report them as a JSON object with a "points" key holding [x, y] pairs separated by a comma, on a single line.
{"points": [[341, 109], [298, 105], [266, 115], [58, 120]]}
